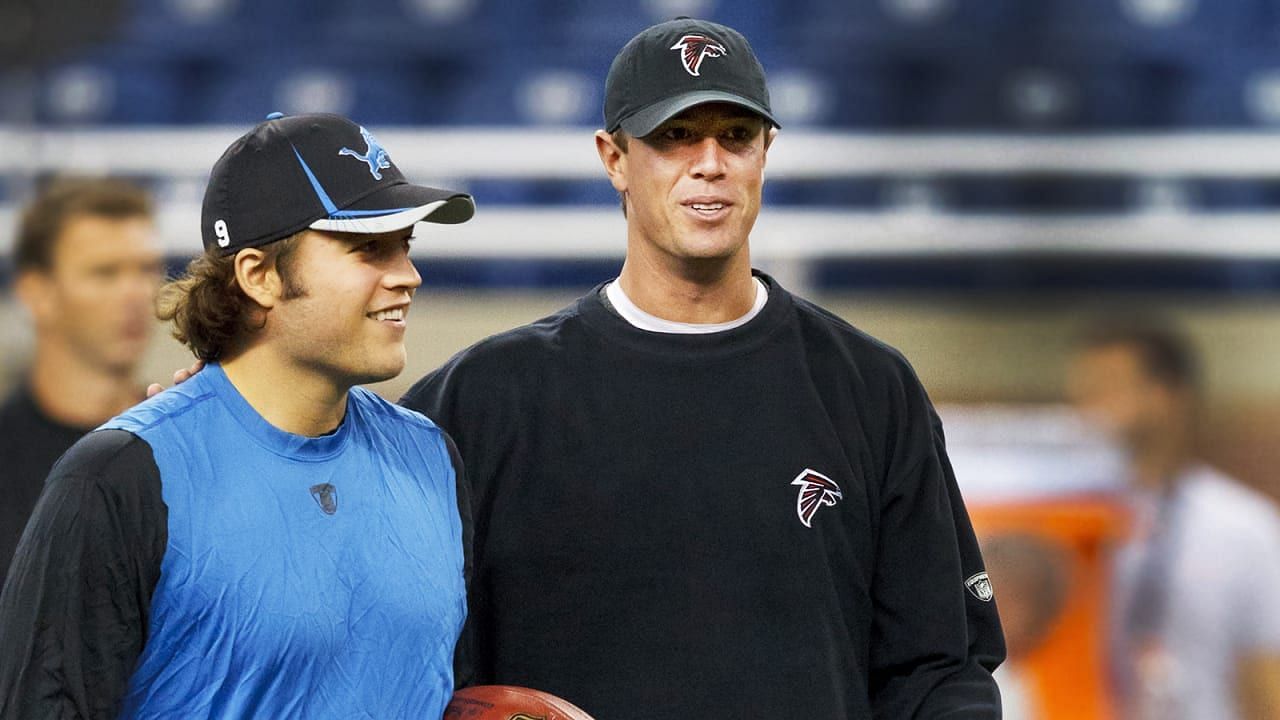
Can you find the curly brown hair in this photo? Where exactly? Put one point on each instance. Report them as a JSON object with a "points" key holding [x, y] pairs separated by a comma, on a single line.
{"points": [[211, 314]]}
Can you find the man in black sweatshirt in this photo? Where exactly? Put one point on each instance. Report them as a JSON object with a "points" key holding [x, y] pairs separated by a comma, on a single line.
{"points": [[696, 495]]}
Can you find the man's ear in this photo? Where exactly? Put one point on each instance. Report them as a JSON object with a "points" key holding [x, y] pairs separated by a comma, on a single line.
{"points": [[769, 136], [258, 278], [34, 289], [614, 160]]}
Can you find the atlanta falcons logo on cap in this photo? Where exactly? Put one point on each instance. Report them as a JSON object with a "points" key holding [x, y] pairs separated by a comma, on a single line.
{"points": [[816, 490], [695, 48]]}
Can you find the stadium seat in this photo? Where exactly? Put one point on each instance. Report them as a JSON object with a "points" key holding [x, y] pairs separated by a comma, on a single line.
{"points": [[872, 92], [18, 98], [468, 30], [592, 192], [102, 89], [540, 90], [851, 89], [1187, 30], [1022, 194], [844, 194], [898, 93], [1236, 90], [382, 93], [604, 27], [899, 25], [1044, 93], [1235, 195], [216, 29]]}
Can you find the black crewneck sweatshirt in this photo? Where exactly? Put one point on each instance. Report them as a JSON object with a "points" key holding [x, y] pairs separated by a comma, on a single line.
{"points": [[642, 547]]}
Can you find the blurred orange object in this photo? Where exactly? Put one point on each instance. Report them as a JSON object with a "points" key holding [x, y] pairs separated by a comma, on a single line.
{"points": [[1055, 608]]}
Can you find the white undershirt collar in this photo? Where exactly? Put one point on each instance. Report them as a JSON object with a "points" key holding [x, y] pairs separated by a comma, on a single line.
{"points": [[652, 323]]}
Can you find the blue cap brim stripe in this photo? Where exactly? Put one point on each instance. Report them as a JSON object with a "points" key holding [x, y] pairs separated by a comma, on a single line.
{"points": [[315, 185], [366, 213]]}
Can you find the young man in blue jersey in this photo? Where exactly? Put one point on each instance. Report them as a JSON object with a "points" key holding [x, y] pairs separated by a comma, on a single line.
{"points": [[267, 539]]}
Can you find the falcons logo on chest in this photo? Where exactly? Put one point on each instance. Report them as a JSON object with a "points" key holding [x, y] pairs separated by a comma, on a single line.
{"points": [[696, 48], [816, 490]]}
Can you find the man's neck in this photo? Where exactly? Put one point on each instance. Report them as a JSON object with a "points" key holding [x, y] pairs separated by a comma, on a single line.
{"points": [[74, 392], [710, 292], [1157, 466], [294, 399]]}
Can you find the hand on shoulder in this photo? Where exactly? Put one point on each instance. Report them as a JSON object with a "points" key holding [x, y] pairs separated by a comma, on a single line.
{"points": [[179, 377]]}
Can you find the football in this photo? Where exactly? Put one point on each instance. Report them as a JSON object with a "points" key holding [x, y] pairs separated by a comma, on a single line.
{"points": [[507, 702]]}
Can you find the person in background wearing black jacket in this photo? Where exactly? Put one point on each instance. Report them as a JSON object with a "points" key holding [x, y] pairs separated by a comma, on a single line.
{"points": [[87, 269], [695, 494]]}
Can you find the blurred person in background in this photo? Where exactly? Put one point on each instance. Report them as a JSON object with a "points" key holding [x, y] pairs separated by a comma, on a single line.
{"points": [[87, 267], [697, 495], [1197, 604]]}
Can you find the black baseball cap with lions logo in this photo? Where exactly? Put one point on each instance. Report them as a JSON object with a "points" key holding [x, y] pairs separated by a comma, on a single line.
{"points": [[676, 65], [317, 171]]}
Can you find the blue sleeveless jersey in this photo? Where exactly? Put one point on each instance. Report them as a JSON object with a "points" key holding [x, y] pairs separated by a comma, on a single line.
{"points": [[302, 577]]}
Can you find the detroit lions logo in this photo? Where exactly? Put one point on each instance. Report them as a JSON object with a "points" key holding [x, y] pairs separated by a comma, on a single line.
{"points": [[696, 48], [374, 155], [816, 490]]}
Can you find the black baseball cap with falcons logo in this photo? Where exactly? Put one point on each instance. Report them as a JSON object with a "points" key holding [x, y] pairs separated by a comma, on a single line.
{"points": [[676, 65], [320, 171]]}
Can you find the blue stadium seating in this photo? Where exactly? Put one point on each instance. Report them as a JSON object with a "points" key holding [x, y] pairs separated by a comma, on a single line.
{"points": [[1041, 93], [533, 89], [469, 31], [1236, 90], [804, 95], [217, 29], [374, 92], [581, 28], [1187, 30], [858, 193], [849, 88], [1044, 195], [18, 99], [596, 191], [106, 89], [857, 64], [927, 26], [874, 92], [1233, 195]]}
